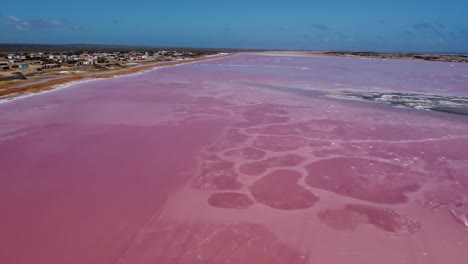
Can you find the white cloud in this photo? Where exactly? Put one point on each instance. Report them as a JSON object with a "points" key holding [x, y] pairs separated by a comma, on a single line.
{"points": [[77, 27], [18, 23], [56, 22], [46, 23], [14, 19], [25, 25]]}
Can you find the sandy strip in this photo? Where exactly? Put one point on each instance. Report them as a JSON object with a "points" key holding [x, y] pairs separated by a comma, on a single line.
{"points": [[54, 82]]}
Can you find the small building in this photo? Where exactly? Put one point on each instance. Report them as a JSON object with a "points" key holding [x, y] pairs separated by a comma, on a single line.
{"points": [[4, 65], [51, 66], [23, 66]]}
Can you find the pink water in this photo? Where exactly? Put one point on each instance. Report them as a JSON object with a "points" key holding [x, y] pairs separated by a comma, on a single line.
{"points": [[204, 163]]}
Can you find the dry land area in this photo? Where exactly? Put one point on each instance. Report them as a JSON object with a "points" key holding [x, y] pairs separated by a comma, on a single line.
{"points": [[458, 58], [29, 81]]}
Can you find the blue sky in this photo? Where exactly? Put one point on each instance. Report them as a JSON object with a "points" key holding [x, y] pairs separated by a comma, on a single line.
{"points": [[397, 25]]}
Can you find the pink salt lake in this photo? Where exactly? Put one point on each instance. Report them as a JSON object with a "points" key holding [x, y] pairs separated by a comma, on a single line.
{"points": [[207, 163]]}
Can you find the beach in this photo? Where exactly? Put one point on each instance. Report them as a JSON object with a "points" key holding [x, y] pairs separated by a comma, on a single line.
{"points": [[9, 89]]}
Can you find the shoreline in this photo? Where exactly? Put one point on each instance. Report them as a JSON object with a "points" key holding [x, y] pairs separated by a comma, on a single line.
{"points": [[27, 89], [427, 57], [24, 90]]}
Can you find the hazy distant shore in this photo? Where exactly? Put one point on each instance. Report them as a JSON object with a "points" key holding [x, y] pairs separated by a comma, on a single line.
{"points": [[455, 58]]}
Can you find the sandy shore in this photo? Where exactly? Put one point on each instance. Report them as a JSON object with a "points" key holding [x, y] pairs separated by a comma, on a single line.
{"points": [[449, 58], [52, 82]]}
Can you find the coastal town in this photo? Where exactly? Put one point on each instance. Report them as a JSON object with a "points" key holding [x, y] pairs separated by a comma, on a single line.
{"points": [[27, 63], [33, 68]]}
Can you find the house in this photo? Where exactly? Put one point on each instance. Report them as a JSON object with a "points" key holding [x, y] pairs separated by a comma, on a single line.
{"points": [[50, 66], [73, 58], [4, 65], [89, 62]]}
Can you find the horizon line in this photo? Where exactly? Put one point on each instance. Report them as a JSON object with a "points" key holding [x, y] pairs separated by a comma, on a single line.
{"points": [[240, 49]]}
